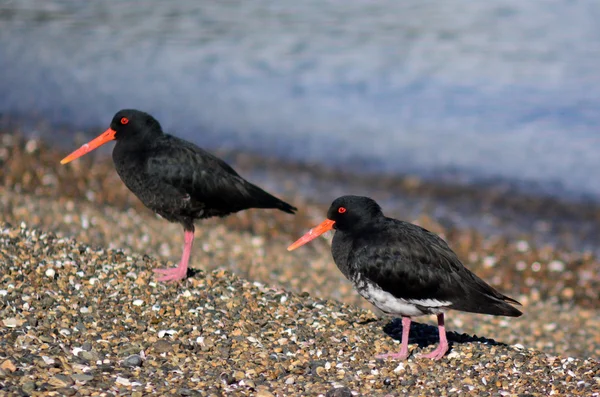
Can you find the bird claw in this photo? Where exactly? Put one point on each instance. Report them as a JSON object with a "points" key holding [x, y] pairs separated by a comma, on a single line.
{"points": [[437, 354], [173, 274]]}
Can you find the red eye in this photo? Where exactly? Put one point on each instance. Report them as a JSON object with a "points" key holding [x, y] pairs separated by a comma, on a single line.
{"points": [[124, 120], [341, 210]]}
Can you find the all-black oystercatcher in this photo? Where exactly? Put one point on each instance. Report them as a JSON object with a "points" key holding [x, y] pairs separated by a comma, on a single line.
{"points": [[175, 178], [403, 269]]}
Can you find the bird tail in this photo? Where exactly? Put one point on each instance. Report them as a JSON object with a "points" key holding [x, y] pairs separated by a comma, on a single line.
{"points": [[486, 300], [285, 207], [488, 305], [266, 200], [505, 309], [482, 298], [495, 305]]}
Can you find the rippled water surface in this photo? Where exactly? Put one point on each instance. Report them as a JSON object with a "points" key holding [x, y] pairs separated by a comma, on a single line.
{"points": [[504, 89]]}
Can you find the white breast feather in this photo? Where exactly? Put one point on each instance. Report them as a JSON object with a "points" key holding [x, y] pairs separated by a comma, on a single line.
{"points": [[389, 304]]}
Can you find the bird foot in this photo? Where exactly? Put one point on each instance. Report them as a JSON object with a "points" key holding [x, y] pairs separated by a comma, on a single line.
{"points": [[437, 353], [401, 356], [172, 274]]}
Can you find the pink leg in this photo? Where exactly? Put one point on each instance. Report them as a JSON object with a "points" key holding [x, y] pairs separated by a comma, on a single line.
{"points": [[403, 353], [443, 347], [179, 272]]}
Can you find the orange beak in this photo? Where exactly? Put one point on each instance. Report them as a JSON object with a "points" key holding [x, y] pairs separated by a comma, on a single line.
{"points": [[106, 136], [313, 233]]}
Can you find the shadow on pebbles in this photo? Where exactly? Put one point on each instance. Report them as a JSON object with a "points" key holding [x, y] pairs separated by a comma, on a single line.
{"points": [[81, 321]]}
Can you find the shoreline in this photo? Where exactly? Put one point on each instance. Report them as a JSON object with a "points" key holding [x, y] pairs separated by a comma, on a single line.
{"points": [[484, 207], [501, 208]]}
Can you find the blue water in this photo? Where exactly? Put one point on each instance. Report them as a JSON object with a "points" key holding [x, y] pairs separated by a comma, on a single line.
{"points": [[477, 89]]}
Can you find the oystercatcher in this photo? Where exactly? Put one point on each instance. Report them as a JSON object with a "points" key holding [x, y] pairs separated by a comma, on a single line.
{"points": [[403, 269], [175, 178]]}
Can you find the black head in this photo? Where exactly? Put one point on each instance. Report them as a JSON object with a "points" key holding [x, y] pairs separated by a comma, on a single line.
{"points": [[349, 214], [131, 124], [128, 125], [353, 212]]}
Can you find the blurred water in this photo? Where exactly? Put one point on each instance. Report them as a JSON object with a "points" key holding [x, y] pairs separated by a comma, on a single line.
{"points": [[481, 89]]}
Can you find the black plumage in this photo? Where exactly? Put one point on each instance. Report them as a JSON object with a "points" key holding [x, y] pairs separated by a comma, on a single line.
{"points": [[176, 179], [404, 269]]}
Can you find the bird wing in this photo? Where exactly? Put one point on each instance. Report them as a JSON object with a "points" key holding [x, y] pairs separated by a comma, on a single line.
{"points": [[412, 263], [207, 180]]}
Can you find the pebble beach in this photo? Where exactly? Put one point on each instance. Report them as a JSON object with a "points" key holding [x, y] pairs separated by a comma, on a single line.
{"points": [[81, 313]]}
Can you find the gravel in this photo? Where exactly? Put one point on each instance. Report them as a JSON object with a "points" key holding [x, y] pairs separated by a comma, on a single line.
{"points": [[216, 334]]}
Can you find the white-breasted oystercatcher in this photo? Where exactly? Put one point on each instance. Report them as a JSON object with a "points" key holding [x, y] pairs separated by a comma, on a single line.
{"points": [[403, 269]]}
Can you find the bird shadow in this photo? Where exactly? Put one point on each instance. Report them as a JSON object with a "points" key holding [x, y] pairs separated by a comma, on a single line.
{"points": [[194, 272], [367, 321], [425, 335]]}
